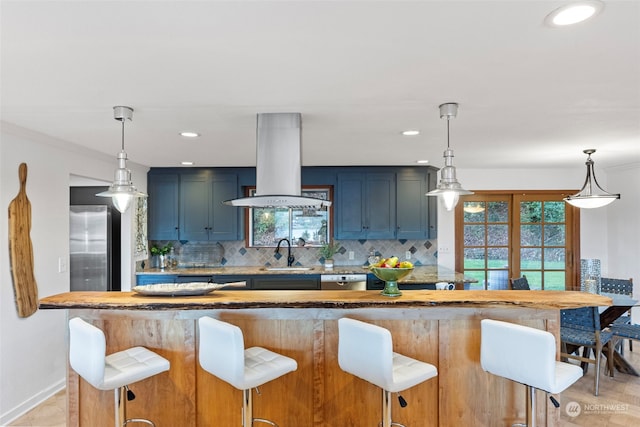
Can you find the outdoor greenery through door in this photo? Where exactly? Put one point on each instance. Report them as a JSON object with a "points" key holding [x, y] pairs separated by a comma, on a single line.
{"points": [[507, 235]]}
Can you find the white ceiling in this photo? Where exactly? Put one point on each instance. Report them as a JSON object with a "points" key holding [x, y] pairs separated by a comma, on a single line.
{"points": [[359, 72]]}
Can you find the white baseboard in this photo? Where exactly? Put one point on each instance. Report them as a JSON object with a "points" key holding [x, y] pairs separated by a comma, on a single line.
{"points": [[31, 403]]}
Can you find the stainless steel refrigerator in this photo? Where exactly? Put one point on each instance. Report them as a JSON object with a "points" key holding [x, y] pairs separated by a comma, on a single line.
{"points": [[91, 248]]}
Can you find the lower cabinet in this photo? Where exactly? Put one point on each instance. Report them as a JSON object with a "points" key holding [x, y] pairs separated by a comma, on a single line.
{"points": [[374, 284], [188, 278], [230, 278], [152, 279], [286, 282], [256, 281]]}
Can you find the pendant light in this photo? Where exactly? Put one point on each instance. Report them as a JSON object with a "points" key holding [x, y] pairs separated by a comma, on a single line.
{"points": [[591, 195], [122, 191], [449, 189]]}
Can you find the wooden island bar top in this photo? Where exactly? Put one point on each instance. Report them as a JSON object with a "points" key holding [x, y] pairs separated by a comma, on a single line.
{"points": [[438, 327]]}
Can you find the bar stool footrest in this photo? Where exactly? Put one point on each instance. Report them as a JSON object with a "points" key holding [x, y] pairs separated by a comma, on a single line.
{"points": [[263, 420], [138, 420]]}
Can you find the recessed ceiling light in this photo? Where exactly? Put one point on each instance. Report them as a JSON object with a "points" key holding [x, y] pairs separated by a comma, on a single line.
{"points": [[422, 162], [186, 163], [190, 134], [574, 13], [411, 132]]}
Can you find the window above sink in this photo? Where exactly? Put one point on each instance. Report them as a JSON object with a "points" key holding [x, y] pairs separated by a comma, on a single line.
{"points": [[303, 227]]}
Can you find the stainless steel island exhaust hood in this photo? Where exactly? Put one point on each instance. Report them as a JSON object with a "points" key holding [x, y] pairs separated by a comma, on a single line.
{"points": [[278, 165]]}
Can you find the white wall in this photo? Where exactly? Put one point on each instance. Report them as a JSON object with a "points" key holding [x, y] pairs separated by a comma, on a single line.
{"points": [[623, 228], [33, 349]]}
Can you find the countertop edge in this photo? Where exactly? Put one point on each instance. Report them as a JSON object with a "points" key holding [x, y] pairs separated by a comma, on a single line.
{"points": [[323, 299]]}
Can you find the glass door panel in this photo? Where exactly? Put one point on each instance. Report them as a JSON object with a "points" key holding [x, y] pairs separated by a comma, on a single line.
{"points": [[507, 235]]}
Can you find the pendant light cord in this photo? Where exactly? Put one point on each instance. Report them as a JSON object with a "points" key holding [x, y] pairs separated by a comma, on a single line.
{"points": [[123, 134], [447, 132]]}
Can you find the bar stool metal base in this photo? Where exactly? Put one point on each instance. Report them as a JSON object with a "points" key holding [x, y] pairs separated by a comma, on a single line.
{"points": [[386, 410], [247, 411], [121, 419], [531, 409]]}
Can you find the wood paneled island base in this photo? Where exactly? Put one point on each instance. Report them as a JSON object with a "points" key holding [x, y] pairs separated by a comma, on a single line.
{"points": [[438, 327]]}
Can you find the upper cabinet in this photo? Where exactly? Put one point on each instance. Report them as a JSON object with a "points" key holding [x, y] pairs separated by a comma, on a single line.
{"points": [[202, 214], [386, 203], [163, 219], [369, 202], [365, 205], [411, 208], [187, 205], [415, 213]]}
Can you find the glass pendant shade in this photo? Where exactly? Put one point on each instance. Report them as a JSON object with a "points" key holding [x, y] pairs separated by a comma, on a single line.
{"points": [[122, 191], [591, 195]]}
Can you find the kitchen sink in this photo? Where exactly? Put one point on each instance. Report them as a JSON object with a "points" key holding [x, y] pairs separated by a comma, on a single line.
{"points": [[288, 268]]}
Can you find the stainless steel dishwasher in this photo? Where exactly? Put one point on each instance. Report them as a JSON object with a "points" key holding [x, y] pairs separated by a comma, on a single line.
{"points": [[347, 282]]}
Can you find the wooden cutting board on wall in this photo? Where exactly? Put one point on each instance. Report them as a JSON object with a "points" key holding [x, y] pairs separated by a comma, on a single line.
{"points": [[21, 250]]}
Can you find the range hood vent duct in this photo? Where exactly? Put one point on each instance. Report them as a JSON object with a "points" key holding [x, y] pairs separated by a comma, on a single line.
{"points": [[278, 165]]}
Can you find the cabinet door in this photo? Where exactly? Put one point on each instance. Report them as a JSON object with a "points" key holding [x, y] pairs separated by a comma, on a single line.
{"points": [[223, 219], [350, 206], [380, 211], [195, 193], [432, 204], [286, 282], [228, 278], [411, 205], [152, 279], [163, 206]]}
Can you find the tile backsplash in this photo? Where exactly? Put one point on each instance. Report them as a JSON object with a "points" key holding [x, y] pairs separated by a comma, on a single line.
{"points": [[235, 253]]}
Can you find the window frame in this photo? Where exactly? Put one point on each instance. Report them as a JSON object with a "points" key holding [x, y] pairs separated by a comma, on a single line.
{"points": [[248, 216], [513, 197]]}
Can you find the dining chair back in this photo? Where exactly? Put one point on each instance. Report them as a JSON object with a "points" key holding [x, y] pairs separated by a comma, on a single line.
{"points": [[621, 287], [520, 284], [580, 327], [616, 286]]}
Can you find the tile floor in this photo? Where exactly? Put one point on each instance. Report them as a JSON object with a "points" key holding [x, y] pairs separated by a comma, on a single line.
{"points": [[617, 406]]}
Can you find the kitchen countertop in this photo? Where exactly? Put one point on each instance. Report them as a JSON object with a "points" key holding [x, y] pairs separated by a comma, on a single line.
{"points": [[223, 299], [420, 274]]}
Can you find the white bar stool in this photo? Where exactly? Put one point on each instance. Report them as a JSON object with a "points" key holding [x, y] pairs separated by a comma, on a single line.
{"points": [[223, 355], [527, 356], [366, 351], [87, 356]]}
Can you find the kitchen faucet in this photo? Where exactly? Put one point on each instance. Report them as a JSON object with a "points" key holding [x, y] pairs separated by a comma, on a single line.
{"points": [[290, 257]]}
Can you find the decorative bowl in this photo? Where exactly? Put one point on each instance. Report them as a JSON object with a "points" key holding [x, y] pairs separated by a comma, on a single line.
{"points": [[391, 277]]}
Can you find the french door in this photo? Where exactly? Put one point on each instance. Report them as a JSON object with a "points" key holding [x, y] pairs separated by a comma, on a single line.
{"points": [[505, 235]]}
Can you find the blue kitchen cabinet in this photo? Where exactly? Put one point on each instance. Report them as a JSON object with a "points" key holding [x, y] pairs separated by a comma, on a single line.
{"points": [[412, 205], [366, 206], [202, 215], [230, 278], [223, 219], [286, 282], [153, 279], [432, 204], [162, 204]]}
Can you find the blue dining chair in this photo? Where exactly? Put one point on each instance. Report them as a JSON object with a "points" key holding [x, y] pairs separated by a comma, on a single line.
{"points": [[580, 327], [621, 287]]}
